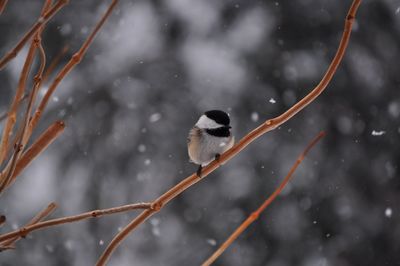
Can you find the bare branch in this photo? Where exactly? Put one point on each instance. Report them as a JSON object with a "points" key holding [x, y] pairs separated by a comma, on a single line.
{"points": [[9, 243], [41, 21], [53, 64], [22, 232], [3, 4], [4, 114], [12, 114], [38, 80], [76, 58], [254, 216], [40, 145], [22, 137]]}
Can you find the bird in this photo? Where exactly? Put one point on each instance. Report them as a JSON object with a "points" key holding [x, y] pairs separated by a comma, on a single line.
{"points": [[209, 138]]}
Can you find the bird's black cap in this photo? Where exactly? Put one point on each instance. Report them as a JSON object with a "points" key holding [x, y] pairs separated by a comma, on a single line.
{"points": [[218, 116]]}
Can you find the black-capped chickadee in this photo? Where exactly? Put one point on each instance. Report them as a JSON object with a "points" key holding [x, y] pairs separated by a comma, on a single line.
{"points": [[210, 137]]}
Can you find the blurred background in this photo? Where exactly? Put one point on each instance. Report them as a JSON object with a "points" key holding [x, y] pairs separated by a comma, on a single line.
{"points": [[155, 67]]}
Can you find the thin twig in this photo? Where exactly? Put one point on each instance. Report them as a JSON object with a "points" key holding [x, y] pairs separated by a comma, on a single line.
{"points": [[37, 147], [41, 21], [27, 131], [254, 216], [76, 58], [9, 243], [53, 64], [24, 134], [11, 169], [4, 114], [22, 232], [3, 4], [12, 114], [38, 80], [250, 137]]}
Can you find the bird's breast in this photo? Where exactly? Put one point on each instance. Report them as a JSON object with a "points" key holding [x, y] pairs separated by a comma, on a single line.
{"points": [[202, 147]]}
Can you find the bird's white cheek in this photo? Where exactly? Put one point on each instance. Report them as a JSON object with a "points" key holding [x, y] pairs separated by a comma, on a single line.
{"points": [[205, 122]]}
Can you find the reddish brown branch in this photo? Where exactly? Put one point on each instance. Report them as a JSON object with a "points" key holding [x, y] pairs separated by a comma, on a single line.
{"points": [[6, 179], [53, 64], [41, 21], [9, 243], [37, 147], [3, 4], [12, 114], [10, 170], [27, 130], [250, 137], [22, 137], [329, 73], [254, 216], [38, 80], [17, 165], [4, 114], [76, 58], [22, 232]]}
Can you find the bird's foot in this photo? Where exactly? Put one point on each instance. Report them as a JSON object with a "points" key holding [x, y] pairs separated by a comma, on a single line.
{"points": [[217, 156], [199, 171]]}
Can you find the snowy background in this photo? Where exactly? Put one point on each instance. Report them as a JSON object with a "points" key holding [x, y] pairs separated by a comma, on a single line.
{"points": [[153, 70]]}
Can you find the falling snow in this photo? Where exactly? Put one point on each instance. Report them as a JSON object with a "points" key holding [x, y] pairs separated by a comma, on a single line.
{"points": [[254, 116], [142, 148], [65, 29], [155, 117], [378, 133], [388, 212], [69, 244], [49, 248], [151, 71], [70, 100], [155, 230], [84, 30], [211, 242]]}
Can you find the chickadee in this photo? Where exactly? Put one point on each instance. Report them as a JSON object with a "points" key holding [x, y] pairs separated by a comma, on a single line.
{"points": [[209, 138]]}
